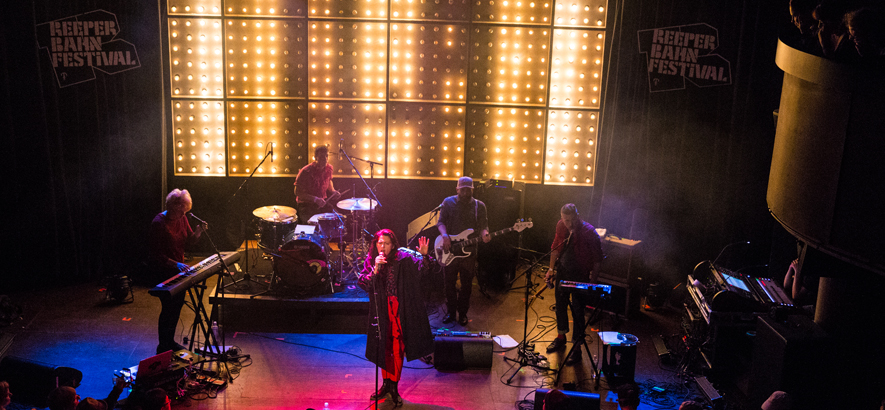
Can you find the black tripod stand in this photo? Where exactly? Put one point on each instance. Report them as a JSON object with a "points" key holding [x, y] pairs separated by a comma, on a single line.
{"points": [[526, 355]]}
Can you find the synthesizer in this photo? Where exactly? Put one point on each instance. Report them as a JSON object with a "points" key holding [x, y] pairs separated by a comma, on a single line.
{"points": [[196, 274], [589, 287]]}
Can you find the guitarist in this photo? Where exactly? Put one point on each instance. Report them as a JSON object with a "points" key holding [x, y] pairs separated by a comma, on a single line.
{"points": [[313, 186], [461, 212], [578, 250]]}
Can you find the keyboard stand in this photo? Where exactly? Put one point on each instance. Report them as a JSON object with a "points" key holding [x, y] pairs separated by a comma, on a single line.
{"points": [[591, 320]]}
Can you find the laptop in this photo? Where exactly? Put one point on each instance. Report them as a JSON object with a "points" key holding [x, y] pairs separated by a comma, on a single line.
{"points": [[154, 365]]}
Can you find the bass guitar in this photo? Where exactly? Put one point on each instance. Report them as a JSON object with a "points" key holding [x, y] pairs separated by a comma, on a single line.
{"points": [[460, 241]]}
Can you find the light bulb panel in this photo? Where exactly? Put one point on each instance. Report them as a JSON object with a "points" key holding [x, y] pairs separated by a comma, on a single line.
{"points": [[580, 13], [576, 68], [193, 7], [570, 153], [527, 12], [361, 126], [264, 8], [505, 143], [195, 49], [265, 58], [426, 141], [348, 9], [255, 124], [198, 137], [428, 62], [347, 60], [509, 65], [453, 10]]}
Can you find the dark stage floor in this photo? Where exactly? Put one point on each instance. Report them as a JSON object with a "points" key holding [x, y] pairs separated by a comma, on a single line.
{"points": [[304, 353]]}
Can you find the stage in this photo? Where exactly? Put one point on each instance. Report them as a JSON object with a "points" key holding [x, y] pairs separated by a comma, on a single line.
{"points": [[305, 352]]}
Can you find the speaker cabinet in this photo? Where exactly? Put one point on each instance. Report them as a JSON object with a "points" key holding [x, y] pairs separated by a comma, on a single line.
{"points": [[497, 259], [576, 400], [461, 353], [794, 356]]}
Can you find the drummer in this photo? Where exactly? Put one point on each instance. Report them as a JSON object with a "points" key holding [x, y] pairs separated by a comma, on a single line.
{"points": [[314, 192]]}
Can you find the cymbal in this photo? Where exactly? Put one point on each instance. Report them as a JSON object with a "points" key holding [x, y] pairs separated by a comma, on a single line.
{"points": [[357, 204], [275, 213]]}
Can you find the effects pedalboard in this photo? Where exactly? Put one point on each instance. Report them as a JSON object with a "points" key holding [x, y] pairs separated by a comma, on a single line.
{"points": [[462, 333]]}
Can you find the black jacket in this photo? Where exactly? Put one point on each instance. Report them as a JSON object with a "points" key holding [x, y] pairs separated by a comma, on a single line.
{"points": [[409, 266]]}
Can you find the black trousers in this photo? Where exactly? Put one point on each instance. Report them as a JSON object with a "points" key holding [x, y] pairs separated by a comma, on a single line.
{"points": [[169, 314], [459, 300], [567, 299]]}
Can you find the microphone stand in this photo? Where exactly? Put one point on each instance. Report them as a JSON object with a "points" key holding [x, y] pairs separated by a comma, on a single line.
{"points": [[246, 276], [371, 193], [524, 358], [377, 325]]}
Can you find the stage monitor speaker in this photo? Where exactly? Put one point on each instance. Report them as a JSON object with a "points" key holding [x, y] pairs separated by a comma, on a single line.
{"points": [[460, 353], [576, 400], [794, 356], [31, 381]]}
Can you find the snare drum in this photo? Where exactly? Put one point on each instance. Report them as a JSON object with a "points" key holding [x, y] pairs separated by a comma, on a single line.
{"points": [[331, 225], [302, 263]]}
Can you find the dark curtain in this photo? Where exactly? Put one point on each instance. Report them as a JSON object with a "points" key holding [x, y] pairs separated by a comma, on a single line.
{"points": [[84, 160], [686, 170]]}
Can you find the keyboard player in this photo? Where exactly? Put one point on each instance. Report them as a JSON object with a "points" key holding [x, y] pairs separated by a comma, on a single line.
{"points": [[169, 233], [577, 250]]}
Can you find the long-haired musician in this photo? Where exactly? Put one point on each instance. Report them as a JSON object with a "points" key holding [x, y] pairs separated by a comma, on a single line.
{"points": [[394, 274]]}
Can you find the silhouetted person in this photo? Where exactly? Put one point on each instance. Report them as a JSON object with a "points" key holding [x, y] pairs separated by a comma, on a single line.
{"points": [[866, 28]]}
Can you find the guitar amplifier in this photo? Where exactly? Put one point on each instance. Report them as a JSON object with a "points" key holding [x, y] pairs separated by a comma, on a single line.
{"points": [[460, 353]]}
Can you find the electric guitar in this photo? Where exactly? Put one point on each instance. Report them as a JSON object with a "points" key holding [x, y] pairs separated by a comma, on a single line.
{"points": [[460, 241]]}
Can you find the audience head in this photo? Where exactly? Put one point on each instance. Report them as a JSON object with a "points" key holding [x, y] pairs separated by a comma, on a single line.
{"points": [[778, 400], [691, 405], [156, 399], [628, 396], [829, 15], [801, 12], [92, 404], [63, 398], [555, 400], [5, 395], [866, 28]]}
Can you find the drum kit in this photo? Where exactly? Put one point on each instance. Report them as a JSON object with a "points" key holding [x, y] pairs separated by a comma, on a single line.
{"points": [[328, 250]]}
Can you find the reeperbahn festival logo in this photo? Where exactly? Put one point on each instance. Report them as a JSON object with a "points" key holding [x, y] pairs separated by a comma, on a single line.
{"points": [[79, 45], [679, 53]]}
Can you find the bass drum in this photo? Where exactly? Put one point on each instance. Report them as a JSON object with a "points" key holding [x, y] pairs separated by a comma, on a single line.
{"points": [[302, 265]]}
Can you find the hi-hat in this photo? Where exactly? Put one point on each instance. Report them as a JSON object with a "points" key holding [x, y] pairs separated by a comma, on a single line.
{"points": [[357, 204], [275, 213]]}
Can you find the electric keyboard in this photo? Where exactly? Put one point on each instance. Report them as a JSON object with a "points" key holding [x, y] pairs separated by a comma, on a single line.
{"points": [[196, 274], [589, 287]]}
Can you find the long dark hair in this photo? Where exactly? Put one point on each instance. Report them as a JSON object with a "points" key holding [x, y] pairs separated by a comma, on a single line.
{"points": [[373, 250]]}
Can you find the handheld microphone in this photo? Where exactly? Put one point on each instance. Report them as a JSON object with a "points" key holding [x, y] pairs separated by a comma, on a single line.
{"points": [[340, 148], [198, 219], [271, 154]]}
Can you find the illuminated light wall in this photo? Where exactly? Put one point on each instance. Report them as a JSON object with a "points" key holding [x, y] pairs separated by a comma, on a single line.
{"points": [[428, 89]]}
